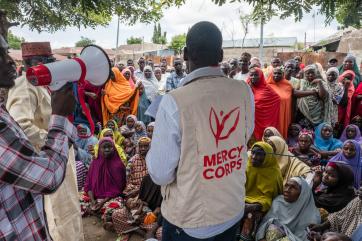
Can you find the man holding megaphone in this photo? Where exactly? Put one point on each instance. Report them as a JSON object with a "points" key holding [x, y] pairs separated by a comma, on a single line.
{"points": [[25, 174], [30, 106]]}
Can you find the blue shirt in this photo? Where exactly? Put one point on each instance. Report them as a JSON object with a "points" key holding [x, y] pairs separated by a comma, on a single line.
{"points": [[164, 155], [173, 81]]}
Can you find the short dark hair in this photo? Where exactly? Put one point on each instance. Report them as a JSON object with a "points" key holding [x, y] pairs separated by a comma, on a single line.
{"points": [[204, 43], [246, 55]]}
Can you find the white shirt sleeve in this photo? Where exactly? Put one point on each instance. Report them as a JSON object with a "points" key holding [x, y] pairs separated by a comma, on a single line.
{"points": [[164, 155]]}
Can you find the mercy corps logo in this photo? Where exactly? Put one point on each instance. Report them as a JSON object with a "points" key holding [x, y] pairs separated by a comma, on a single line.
{"points": [[224, 162]]}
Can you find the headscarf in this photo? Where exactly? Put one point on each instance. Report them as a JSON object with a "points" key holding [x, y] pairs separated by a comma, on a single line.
{"points": [[293, 217], [344, 114], [337, 197], [82, 143], [322, 144], [119, 149], [94, 104], [150, 84], [138, 134], [273, 130], [357, 104], [106, 178], [150, 193], [293, 141], [263, 183], [312, 107], [118, 138], [285, 91], [336, 90], [142, 108], [355, 69], [265, 100], [118, 92], [290, 166], [131, 80], [358, 137], [355, 162], [125, 128]]}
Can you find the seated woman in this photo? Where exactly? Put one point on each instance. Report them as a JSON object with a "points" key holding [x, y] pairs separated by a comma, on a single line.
{"points": [[270, 131], [118, 138], [293, 134], [305, 151], [137, 168], [345, 221], [107, 132], [351, 132], [263, 183], [351, 156], [290, 214], [83, 145], [140, 131], [290, 166], [128, 129], [140, 213], [150, 128], [106, 179], [334, 189], [326, 144], [129, 148]]}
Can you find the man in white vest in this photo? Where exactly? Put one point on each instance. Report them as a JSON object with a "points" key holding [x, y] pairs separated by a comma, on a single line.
{"points": [[198, 151]]}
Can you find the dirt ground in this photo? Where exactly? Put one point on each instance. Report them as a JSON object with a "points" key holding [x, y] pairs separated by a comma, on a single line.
{"points": [[93, 231]]}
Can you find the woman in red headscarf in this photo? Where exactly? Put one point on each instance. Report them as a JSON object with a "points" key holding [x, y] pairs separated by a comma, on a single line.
{"points": [[357, 102], [345, 106], [267, 103]]}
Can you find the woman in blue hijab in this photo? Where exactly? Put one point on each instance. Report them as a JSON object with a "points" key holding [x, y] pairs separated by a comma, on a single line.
{"points": [[324, 141]]}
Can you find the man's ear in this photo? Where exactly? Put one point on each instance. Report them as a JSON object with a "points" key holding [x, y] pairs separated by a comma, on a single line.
{"points": [[186, 57]]}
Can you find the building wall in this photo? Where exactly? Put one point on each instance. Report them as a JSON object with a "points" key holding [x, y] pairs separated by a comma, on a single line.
{"points": [[269, 52]]}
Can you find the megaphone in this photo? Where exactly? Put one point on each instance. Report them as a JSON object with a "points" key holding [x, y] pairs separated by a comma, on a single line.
{"points": [[93, 65]]}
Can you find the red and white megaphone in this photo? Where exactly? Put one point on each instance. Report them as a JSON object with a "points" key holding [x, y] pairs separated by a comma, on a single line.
{"points": [[93, 65]]}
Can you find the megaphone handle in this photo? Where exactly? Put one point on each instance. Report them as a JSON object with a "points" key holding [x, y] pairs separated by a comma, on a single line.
{"points": [[81, 84]]}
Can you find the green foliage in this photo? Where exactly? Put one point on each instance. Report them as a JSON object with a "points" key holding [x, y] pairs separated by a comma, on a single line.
{"points": [[177, 43], [53, 15], [14, 41], [134, 40], [348, 17], [348, 12], [84, 41], [158, 37]]}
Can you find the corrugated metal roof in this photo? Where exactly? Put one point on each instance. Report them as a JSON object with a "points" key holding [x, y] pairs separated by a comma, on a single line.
{"points": [[255, 42]]}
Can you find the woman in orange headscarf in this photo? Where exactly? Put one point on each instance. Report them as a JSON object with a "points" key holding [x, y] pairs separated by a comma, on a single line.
{"points": [[284, 89], [119, 99], [345, 106]]}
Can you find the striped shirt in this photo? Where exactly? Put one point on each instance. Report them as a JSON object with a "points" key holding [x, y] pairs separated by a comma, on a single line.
{"points": [[25, 176]]}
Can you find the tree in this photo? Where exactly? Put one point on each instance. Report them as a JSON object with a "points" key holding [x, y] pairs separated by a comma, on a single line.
{"points": [[346, 17], [264, 10], [14, 41], [53, 15], [245, 20], [84, 41], [157, 37], [177, 43], [134, 40]]}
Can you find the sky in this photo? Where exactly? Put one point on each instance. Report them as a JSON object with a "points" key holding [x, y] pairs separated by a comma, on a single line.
{"points": [[179, 20]]}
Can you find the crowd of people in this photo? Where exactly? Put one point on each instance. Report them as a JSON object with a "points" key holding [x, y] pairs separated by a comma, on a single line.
{"points": [[304, 167]]}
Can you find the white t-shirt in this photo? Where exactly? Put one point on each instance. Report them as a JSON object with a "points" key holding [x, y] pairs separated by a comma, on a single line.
{"points": [[240, 76]]}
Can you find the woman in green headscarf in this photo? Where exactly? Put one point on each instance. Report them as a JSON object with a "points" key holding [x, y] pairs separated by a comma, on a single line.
{"points": [[264, 182], [349, 63]]}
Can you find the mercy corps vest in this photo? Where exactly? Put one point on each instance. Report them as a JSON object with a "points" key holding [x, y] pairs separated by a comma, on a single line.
{"points": [[215, 118]]}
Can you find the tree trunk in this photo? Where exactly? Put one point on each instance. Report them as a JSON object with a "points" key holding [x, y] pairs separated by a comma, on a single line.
{"points": [[5, 24]]}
